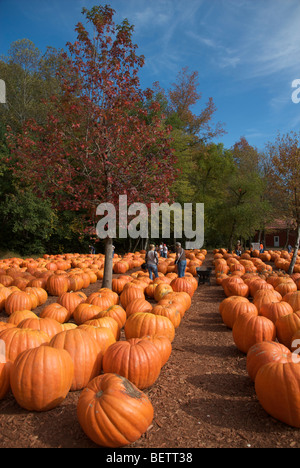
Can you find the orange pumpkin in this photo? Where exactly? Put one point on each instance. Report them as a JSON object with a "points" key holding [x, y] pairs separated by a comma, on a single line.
{"points": [[84, 352], [136, 359], [113, 412], [41, 378]]}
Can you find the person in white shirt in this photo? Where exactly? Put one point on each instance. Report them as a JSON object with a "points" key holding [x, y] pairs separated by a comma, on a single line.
{"points": [[151, 260], [165, 251]]}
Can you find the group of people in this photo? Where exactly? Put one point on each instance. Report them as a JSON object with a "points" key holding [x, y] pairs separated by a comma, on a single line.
{"points": [[239, 250], [151, 259]]}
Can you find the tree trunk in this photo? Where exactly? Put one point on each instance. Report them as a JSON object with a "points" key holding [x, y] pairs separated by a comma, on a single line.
{"points": [[296, 248], [108, 264], [287, 238], [230, 241], [137, 243]]}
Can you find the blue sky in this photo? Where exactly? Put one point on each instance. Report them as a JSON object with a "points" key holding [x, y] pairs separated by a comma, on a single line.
{"points": [[246, 52]]}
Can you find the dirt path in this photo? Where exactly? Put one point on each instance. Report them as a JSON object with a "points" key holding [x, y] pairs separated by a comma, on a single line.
{"points": [[203, 397]]}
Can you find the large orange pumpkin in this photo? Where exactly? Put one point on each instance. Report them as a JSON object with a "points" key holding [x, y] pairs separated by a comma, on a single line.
{"points": [[264, 352], [18, 340], [277, 386], [136, 359], [41, 378], [233, 309], [84, 352], [113, 412], [286, 327], [249, 329], [144, 323]]}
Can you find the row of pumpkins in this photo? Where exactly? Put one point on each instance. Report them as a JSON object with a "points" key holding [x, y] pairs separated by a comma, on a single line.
{"points": [[110, 345], [262, 308]]}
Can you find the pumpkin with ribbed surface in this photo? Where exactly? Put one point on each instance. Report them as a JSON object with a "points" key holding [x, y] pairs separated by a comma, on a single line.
{"points": [[18, 340], [47, 325], [116, 312], [113, 412], [103, 335], [286, 327], [274, 310], [264, 352], [84, 352], [84, 312], [250, 329], [234, 309], [169, 311], [277, 387], [144, 323], [181, 285], [136, 359], [41, 378], [56, 312], [163, 345], [138, 305], [18, 300]]}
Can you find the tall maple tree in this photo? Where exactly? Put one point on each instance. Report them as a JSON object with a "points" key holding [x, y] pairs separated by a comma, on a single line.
{"points": [[101, 139]]}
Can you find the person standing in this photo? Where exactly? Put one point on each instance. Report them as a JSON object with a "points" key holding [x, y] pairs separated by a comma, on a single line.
{"points": [[161, 249], [152, 261], [180, 260], [165, 251]]}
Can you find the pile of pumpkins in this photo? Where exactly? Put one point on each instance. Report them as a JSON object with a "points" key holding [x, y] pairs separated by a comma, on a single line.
{"points": [[262, 308], [110, 345]]}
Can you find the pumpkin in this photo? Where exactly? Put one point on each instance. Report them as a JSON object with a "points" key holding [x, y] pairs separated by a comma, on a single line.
{"points": [[116, 312], [129, 294], [274, 310], [264, 352], [181, 285], [163, 345], [84, 312], [84, 352], [113, 412], [18, 340], [5, 368], [17, 317], [183, 297], [144, 323], [56, 312], [47, 325], [233, 309], [293, 298], [277, 386], [18, 300], [70, 300], [249, 329], [108, 322], [265, 296], [169, 311], [228, 300], [286, 327], [136, 359], [103, 335], [57, 284], [161, 290], [41, 378], [138, 305]]}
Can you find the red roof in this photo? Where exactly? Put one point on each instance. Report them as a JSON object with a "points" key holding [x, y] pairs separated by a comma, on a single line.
{"points": [[281, 224]]}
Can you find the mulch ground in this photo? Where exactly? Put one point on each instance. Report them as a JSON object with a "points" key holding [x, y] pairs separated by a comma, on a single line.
{"points": [[203, 397]]}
